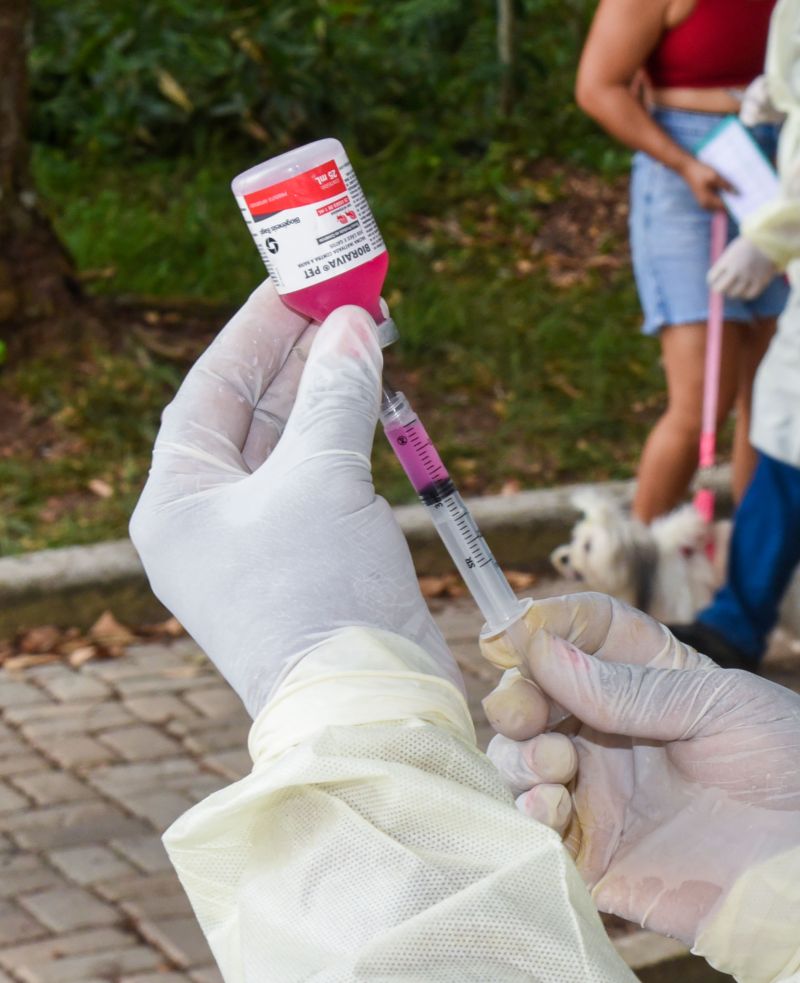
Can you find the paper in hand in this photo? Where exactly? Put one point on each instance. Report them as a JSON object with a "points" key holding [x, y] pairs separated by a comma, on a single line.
{"points": [[734, 154]]}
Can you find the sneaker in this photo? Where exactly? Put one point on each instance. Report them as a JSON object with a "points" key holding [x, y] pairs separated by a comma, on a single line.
{"points": [[714, 645]]}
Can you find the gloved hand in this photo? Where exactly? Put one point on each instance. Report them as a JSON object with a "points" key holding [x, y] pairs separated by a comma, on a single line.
{"points": [[741, 271], [688, 775], [259, 526], [757, 106]]}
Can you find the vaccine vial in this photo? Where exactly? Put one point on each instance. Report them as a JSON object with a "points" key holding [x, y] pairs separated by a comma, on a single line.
{"points": [[316, 233]]}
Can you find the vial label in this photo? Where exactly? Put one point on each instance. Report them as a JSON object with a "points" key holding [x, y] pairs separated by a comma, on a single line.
{"points": [[313, 226]]}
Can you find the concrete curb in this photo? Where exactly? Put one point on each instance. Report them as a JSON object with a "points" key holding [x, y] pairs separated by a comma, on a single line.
{"points": [[73, 585]]}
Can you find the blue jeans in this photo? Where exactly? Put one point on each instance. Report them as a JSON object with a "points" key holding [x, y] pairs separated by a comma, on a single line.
{"points": [[765, 550]]}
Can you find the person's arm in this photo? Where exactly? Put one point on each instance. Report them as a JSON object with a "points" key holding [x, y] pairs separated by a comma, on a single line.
{"points": [[622, 35]]}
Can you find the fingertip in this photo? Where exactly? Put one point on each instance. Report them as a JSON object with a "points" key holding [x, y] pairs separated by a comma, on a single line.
{"points": [[349, 333], [549, 804], [552, 757], [517, 708]]}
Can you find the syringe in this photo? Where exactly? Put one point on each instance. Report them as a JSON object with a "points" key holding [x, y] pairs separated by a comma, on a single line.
{"points": [[459, 532]]}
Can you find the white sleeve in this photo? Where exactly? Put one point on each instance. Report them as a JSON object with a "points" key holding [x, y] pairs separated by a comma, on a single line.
{"points": [[755, 935], [373, 841], [775, 228]]}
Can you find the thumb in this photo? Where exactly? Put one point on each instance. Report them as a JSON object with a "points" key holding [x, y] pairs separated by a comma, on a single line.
{"points": [[338, 398], [619, 698]]}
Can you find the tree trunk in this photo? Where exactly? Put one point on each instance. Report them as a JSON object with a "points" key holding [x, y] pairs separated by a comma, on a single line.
{"points": [[505, 54], [37, 276]]}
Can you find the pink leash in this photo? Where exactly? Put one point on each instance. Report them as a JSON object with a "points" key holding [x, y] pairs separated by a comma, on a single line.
{"points": [[704, 498]]}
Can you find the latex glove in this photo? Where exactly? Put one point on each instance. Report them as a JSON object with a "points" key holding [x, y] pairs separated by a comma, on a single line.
{"points": [[741, 271], [259, 526], [757, 106], [688, 775]]}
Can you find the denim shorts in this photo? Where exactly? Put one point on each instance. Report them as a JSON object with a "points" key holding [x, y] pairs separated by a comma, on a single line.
{"points": [[671, 234]]}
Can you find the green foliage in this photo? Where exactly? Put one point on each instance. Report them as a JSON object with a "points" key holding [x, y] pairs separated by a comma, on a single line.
{"points": [[143, 111], [96, 422], [189, 75], [516, 378], [163, 228]]}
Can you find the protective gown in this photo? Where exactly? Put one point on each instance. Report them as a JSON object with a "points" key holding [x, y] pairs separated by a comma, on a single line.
{"points": [[775, 229], [372, 841], [756, 933]]}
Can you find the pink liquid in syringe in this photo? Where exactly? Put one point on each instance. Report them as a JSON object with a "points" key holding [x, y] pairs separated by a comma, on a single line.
{"points": [[420, 459]]}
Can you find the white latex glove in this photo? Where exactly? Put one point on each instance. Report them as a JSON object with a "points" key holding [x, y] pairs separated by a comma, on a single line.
{"points": [[741, 271], [265, 536], [688, 775], [757, 106]]}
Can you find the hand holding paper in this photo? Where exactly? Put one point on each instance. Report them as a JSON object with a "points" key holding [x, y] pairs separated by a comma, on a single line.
{"points": [[732, 152]]}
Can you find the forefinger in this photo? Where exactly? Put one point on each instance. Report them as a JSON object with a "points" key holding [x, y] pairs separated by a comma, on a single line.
{"points": [[612, 631]]}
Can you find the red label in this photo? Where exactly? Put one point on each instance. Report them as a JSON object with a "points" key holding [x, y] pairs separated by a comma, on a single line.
{"points": [[304, 189]]}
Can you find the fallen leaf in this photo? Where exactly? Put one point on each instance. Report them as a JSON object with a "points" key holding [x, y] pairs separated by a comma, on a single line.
{"points": [[242, 40], [254, 129], [27, 661], [520, 579], [171, 89], [82, 655], [69, 645], [43, 639], [448, 585], [100, 488], [433, 586], [108, 632], [511, 487], [172, 628], [563, 384]]}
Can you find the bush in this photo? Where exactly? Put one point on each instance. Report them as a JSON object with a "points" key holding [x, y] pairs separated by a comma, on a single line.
{"points": [[189, 76]]}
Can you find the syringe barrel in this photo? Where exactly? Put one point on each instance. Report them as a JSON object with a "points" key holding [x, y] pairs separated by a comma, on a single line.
{"points": [[454, 522], [474, 560]]}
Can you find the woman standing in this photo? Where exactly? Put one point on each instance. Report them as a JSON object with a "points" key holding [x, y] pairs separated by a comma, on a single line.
{"points": [[697, 56]]}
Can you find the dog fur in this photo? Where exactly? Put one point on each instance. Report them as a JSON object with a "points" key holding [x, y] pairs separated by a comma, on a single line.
{"points": [[663, 568]]}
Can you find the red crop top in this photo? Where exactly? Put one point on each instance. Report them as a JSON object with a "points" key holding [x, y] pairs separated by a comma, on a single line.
{"points": [[721, 43]]}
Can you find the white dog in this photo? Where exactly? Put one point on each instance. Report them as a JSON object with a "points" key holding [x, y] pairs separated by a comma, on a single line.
{"points": [[662, 568]]}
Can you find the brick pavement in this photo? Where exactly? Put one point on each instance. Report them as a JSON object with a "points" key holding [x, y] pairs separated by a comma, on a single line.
{"points": [[94, 764]]}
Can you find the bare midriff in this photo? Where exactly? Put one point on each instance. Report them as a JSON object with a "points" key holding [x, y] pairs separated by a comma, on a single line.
{"points": [[716, 100]]}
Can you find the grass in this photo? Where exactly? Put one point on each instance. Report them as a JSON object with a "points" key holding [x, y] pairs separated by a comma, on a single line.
{"points": [[520, 375]]}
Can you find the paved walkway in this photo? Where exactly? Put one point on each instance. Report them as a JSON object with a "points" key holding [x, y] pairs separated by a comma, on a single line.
{"points": [[94, 764]]}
